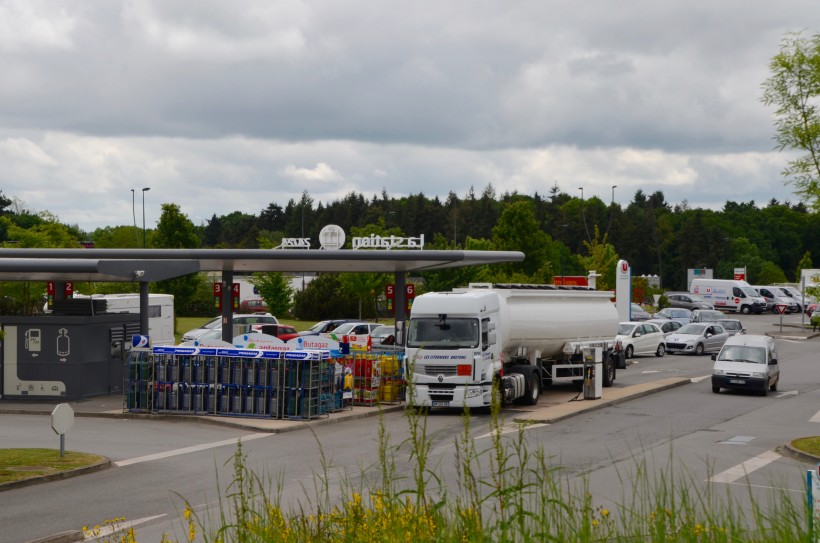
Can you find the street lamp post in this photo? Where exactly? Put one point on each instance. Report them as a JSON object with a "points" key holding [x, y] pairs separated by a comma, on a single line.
{"points": [[134, 214], [144, 190], [584, 215], [613, 194]]}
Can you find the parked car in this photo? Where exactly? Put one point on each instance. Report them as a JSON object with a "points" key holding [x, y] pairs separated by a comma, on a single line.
{"points": [[774, 297], [707, 315], [253, 305], [697, 338], [667, 326], [238, 319], [383, 335], [746, 362], [683, 316], [325, 326], [733, 326], [639, 313], [688, 301], [209, 337], [285, 332], [357, 328], [640, 338]]}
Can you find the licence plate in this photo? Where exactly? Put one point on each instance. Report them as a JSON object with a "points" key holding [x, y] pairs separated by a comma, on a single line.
{"points": [[737, 381], [441, 404]]}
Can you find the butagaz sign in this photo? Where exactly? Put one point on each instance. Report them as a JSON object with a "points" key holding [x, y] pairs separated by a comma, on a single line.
{"points": [[388, 242]]}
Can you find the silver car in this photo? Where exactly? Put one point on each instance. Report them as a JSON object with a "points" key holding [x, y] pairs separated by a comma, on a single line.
{"points": [[697, 338]]}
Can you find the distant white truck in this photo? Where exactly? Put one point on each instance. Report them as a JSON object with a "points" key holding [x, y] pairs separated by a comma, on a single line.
{"points": [[520, 337], [160, 312]]}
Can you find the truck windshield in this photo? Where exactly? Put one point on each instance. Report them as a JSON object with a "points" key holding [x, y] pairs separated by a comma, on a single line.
{"points": [[452, 333], [739, 353]]}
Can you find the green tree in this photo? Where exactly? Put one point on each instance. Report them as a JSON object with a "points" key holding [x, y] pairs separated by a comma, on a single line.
{"points": [[275, 289], [804, 264], [793, 89], [518, 230], [323, 298], [602, 258], [175, 231]]}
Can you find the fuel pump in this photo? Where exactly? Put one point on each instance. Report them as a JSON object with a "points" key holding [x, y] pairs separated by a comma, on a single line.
{"points": [[593, 372]]}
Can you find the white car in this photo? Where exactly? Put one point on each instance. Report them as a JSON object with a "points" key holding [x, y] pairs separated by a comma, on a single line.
{"points": [[747, 362], [697, 338], [641, 338], [238, 319]]}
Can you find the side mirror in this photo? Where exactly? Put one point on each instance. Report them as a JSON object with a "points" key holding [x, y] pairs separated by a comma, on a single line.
{"points": [[772, 361], [714, 356], [491, 338]]}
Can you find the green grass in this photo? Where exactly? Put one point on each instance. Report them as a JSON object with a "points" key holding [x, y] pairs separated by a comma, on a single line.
{"points": [[20, 464], [809, 445]]}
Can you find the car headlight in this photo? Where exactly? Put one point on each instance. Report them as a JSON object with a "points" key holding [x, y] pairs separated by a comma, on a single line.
{"points": [[719, 372], [758, 374]]}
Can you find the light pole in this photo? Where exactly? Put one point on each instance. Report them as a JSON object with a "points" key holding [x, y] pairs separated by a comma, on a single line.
{"points": [[613, 194], [611, 209], [144, 190], [584, 215], [134, 214]]}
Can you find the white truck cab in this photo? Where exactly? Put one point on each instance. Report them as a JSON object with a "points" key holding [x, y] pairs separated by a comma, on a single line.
{"points": [[746, 362]]}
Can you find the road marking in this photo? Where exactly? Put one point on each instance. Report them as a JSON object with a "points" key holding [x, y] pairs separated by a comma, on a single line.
{"points": [[743, 469], [701, 378], [738, 440], [512, 427], [187, 450], [120, 527], [815, 418], [787, 393]]}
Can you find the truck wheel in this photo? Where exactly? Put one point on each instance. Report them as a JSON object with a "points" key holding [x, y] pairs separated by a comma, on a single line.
{"points": [[609, 372], [774, 385], [533, 389], [745, 309]]}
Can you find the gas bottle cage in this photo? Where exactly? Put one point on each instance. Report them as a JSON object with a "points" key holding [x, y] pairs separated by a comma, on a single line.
{"points": [[297, 384]]}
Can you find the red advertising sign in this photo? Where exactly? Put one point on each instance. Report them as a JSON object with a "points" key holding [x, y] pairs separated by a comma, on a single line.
{"points": [[218, 296], [235, 297], [409, 295], [572, 280], [68, 290], [390, 295]]}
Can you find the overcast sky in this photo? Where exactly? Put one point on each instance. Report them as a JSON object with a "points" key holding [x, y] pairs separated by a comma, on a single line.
{"points": [[228, 106]]}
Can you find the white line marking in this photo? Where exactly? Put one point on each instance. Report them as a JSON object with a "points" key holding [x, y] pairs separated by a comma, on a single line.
{"points": [[787, 393], [815, 418], [513, 427], [741, 470], [94, 534], [701, 378], [186, 450]]}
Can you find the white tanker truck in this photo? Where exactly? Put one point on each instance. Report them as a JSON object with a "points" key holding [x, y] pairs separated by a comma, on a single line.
{"points": [[523, 336]]}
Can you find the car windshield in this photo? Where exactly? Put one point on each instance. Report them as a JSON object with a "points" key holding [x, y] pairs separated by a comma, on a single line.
{"points": [[445, 333], [213, 323], [692, 329], [731, 325], [318, 327], [382, 331], [625, 329], [743, 353], [749, 291]]}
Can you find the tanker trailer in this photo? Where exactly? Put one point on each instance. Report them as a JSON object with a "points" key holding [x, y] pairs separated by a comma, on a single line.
{"points": [[525, 337]]}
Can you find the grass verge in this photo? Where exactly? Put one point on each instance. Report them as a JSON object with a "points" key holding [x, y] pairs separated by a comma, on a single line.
{"points": [[808, 445], [21, 464]]}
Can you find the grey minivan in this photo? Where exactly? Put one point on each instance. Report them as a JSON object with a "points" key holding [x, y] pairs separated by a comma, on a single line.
{"points": [[687, 301], [746, 362]]}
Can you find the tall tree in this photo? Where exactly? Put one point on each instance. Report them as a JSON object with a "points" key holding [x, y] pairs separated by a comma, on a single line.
{"points": [[175, 231], [793, 89]]}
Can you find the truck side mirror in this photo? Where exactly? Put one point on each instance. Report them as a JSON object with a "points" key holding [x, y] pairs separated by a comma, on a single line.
{"points": [[491, 338]]}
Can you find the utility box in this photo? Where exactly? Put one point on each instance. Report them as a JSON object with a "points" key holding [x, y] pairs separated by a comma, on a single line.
{"points": [[593, 373], [64, 356]]}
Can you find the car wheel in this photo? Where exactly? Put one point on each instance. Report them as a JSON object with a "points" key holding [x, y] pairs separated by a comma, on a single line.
{"points": [[745, 309], [629, 351], [765, 391], [715, 389], [774, 385], [661, 350], [699, 349]]}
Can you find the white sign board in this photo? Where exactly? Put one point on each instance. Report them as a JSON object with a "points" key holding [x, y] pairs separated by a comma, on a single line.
{"points": [[623, 290], [62, 418]]}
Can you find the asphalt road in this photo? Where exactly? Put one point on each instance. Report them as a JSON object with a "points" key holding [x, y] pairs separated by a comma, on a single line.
{"points": [[687, 431]]}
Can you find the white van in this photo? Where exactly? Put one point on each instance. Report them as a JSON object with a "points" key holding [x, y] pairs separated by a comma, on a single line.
{"points": [[774, 296], [747, 362], [729, 295]]}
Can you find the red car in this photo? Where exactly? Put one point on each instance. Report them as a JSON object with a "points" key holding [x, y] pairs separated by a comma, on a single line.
{"points": [[284, 332]]}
